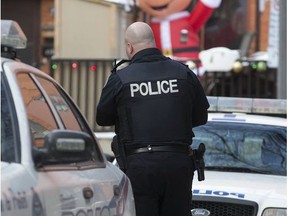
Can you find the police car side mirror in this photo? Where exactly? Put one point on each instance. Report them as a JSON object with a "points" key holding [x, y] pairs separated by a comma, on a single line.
{"points": [[64, 147]]}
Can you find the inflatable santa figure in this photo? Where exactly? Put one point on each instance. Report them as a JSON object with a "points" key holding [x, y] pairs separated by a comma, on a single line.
{"points": [[176, 24]]}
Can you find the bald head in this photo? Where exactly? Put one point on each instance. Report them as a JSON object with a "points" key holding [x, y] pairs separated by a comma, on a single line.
{"points": [[138, 36]]}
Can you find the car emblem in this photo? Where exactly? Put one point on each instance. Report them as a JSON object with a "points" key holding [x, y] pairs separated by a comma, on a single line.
{"points": [[200, 211]]}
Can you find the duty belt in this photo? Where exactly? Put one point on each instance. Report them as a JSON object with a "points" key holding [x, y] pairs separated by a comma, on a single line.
{"points": [[149, 149]]}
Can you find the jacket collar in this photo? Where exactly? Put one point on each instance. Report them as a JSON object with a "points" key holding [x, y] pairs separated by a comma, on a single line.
{"points": [[146, 53]]}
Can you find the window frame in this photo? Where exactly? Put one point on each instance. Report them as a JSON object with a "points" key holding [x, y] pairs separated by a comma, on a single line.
{"points": [[75, 110], [83, 122], [64, 97], [10, 69]]}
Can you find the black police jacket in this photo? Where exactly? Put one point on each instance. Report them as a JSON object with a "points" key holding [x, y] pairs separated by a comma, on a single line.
{"points": [[153, 101]]}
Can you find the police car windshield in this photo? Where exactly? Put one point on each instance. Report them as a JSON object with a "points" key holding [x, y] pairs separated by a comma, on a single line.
{"points": [[243, 147]]}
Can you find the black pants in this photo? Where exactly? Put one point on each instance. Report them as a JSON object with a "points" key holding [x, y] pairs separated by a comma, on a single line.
{"points": [[161, 183]]}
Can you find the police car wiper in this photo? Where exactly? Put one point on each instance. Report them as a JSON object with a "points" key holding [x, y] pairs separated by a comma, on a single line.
{"points": [[237, 169]]}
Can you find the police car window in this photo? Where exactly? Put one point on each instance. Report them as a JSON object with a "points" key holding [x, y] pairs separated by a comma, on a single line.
{"points": [[40, 117], [8, 136], [62, 107]]}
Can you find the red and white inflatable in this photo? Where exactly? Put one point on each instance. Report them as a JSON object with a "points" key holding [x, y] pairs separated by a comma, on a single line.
{"points": [[176, 24]]}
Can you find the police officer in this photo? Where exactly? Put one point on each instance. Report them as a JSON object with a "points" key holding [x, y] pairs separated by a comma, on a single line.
{"points": [[154, 103]]}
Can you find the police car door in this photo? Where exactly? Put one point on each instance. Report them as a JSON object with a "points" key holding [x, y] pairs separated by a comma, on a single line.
{"points": [[85, 188], [56, 189]]}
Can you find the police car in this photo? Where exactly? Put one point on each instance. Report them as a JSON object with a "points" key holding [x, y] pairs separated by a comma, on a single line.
{"points": [[245, 159], [51, 163]]}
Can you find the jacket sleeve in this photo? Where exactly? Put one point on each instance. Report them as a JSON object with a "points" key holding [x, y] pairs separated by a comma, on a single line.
{"points": [[201, 104], [106, 109]]}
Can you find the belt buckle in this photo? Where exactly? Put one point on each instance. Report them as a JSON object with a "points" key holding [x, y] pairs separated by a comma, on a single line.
{"points": [[149, 148]]}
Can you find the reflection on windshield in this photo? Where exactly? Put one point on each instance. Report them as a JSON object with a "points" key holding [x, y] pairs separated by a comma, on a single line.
{"points": [[242, 146]]}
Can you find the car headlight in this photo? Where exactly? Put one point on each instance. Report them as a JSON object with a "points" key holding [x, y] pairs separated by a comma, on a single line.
{"points": [[274, 212]]}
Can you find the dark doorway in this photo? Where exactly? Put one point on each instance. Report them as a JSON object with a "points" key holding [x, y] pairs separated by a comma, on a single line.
{"points": [[27, 14]]}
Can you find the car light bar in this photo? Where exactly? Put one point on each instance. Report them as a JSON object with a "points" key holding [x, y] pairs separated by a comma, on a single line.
{"points": [[12, 35], [247, 105]]}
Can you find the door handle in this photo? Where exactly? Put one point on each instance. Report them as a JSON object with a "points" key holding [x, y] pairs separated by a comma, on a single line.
{"points": [[87, 193], [116, 190]]}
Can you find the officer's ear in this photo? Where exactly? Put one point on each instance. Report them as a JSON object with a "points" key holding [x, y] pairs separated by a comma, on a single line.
{"points": [[130, 49]]}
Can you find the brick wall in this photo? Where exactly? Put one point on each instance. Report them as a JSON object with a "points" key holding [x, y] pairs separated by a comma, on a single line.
{"points": [[263, 23], [47, 8], [264, 27]]}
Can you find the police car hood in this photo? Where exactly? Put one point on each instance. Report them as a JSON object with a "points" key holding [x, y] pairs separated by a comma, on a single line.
{"points": [[259, 188]]}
